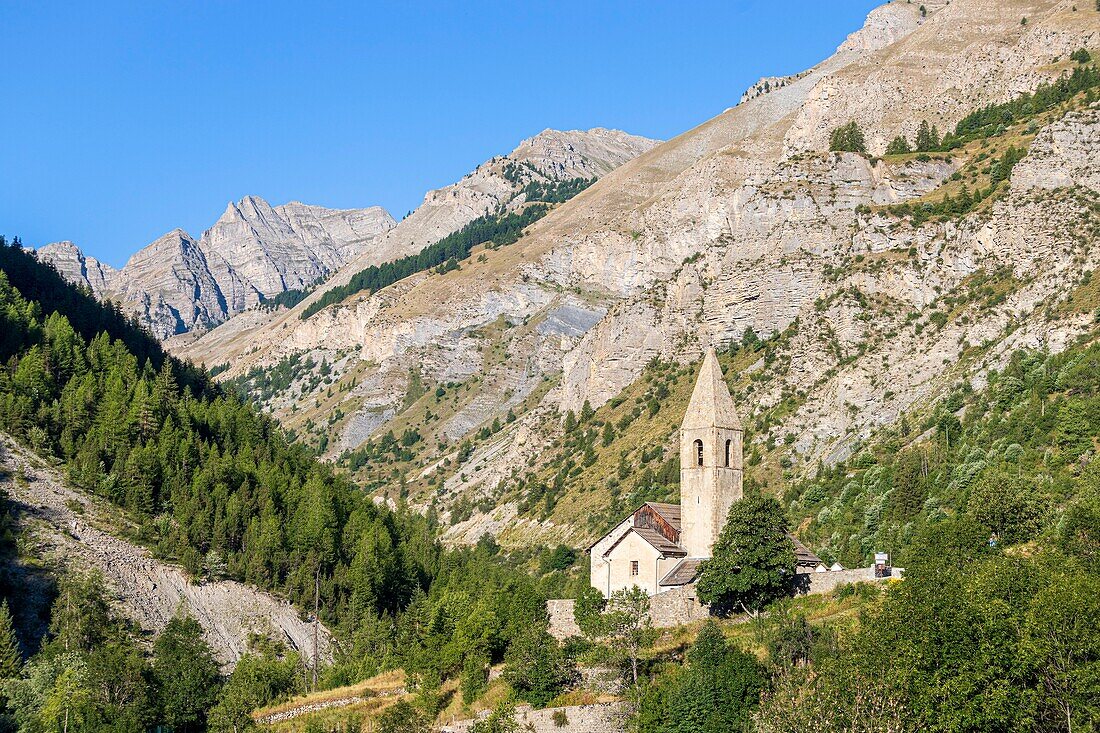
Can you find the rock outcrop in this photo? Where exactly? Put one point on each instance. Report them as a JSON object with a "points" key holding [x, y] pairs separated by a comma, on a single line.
{"points": [[179, 285], [78, 268], [253, 252], [745, 221]]}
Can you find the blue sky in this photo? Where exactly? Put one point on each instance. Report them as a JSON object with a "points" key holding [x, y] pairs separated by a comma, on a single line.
{"points": [[124, 120]]}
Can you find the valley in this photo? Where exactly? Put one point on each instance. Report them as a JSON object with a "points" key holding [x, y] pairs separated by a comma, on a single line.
{"points": [[323, 471]]}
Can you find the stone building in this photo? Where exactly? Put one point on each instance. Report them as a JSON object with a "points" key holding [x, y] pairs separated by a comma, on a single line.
{"points": [[659, 547]]}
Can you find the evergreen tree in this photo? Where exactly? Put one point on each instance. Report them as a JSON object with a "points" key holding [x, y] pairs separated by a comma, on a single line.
{"points": [[753, 562], [10, 659], [928, 138], [898, 146], [716, 692], [848, 138]]}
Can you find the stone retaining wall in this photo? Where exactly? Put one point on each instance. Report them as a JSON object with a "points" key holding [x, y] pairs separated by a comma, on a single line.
{"points": [[677, 607], [816, 583], [605, 717], [680, 606], [562, 623]]}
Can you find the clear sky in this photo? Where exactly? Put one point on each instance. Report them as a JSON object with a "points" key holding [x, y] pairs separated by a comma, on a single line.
{"points": [[122, 121]]}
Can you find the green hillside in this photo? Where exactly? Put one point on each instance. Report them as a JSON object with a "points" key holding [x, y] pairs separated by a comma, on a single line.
{"points": [[216, 486]]}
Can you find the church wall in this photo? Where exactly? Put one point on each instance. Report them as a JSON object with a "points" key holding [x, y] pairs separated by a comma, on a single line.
{"points": [[598, 568], [618, 575]]}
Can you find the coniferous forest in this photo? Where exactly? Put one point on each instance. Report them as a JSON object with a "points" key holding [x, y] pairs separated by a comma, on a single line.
{"points": [[988, 493], [215, 486]]}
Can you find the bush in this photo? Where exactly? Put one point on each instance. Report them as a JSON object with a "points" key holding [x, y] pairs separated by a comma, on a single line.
{"points": [[536, 667]]}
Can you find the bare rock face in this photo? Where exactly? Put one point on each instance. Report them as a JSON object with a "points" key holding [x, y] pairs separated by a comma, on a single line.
{"points": [[551, 155], [171, 285], [77, 268], [580, 153], [290, 247], [179, 284], [1063, 155]]}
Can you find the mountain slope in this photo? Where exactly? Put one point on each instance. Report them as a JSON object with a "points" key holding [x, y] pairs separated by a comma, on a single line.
{"points": [[745, 221], [252, 253], [66, 528], [550, 156]]}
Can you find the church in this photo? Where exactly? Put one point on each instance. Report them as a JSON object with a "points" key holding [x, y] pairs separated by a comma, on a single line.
{"points": [[660, 547]]}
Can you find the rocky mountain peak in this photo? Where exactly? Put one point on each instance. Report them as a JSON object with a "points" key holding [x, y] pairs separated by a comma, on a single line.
{"points": [[580, 153], [253, 251], [78, 268]]}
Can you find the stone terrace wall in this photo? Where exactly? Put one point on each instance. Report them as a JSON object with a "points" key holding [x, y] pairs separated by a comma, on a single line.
{"points": [[815, 583], [676, 607], [680, 606], [606, 717], [671, 608], [562, 623]]}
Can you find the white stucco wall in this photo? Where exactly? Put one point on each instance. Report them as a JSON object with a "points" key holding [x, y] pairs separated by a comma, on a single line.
{"points": [[614, 572]]}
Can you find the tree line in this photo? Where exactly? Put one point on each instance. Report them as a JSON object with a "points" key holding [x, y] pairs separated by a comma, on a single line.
{"points": [[216, 486], [986, 122]]}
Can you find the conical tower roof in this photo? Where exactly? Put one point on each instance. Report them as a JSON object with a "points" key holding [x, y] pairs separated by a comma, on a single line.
{"points": [[711, 404]]}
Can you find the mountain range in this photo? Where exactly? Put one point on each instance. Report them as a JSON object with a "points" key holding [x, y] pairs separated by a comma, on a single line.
{"points": [[450, 386], [254, 252]]}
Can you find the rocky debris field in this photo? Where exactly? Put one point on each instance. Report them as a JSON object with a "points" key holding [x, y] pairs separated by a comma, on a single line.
{"points": [[70, 529]]}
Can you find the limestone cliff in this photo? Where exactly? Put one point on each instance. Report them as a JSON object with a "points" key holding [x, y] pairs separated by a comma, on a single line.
{"points": [[745, 221], [78, 268], [179, 284]]}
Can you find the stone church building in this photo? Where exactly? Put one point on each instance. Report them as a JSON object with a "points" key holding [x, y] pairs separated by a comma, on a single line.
{"points": [[659, 547]]}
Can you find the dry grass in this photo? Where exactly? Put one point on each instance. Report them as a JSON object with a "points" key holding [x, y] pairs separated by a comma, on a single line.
{"points": [[828, 609], [457, 709], [381, 684]]}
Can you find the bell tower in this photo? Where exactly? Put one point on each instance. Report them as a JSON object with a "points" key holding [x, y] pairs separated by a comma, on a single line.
{"points": [[710, 460]]}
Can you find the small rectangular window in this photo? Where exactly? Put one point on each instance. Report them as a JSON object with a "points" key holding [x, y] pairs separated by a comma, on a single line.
{"points": [[633, 567]]}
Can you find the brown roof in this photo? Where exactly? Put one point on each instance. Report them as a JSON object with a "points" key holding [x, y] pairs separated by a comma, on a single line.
{"points": [[669, 512], [659, 541], [684, 573], [655, 539], [803, 555]]}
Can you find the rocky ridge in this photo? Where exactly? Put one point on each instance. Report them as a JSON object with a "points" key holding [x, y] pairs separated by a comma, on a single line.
{"points": [[253, 252], [78, 268], [742, 222], [551, 155]]}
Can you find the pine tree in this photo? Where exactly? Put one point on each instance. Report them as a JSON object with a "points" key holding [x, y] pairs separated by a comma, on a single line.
{"points": [[898, 146], [848, 138], [928, 138], [536, 667], [10, 659]]}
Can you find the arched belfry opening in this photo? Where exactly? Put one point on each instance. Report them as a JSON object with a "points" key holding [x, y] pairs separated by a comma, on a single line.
{"points": [[711, 438]]}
